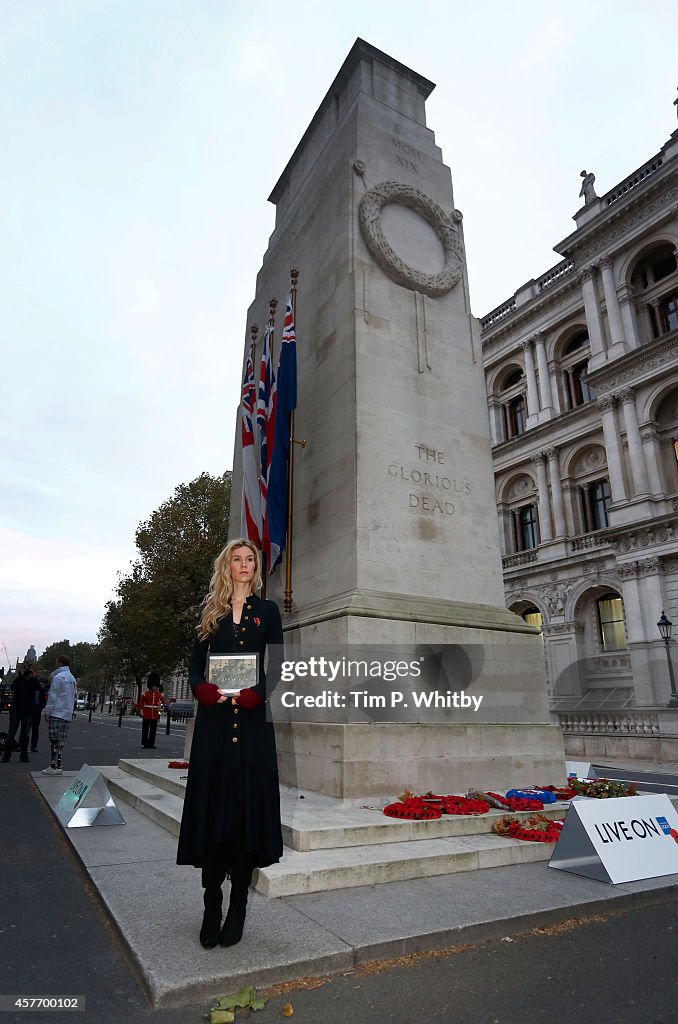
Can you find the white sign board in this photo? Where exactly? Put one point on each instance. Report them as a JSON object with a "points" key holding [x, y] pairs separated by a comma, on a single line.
{"points": [[580, 769], [87, 801], [619, 840]]}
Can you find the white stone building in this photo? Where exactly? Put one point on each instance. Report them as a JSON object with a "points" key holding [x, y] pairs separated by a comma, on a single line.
{"points": [[581, 367]]}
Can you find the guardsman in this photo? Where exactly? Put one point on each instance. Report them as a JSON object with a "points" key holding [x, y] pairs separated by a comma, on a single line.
{"points": [[149, 708]]}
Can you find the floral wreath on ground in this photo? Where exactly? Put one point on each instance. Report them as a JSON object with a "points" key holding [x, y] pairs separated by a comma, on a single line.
{"points": [[537, 829], [603, 789]]}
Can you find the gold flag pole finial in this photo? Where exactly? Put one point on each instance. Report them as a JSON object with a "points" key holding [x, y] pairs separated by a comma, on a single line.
{"points": [[287, 599]]}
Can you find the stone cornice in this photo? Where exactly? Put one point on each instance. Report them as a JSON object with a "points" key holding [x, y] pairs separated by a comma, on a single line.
{"points": [[545, 434], [632, 367]]}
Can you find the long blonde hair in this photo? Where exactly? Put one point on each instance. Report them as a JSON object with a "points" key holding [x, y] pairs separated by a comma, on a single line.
{"points": [[217, 603]]}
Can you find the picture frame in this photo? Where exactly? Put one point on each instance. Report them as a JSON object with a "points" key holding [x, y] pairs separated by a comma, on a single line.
{"points": [[233, 672]]}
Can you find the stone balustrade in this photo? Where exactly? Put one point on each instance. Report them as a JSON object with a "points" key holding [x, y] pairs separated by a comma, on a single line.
{"points": [[555, 274], [588, 540], [522, 558], [634, 179], [610, 723], [498, 314]]}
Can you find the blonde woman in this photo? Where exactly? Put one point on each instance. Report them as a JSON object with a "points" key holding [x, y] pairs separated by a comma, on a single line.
{"points": [[231, 817]]}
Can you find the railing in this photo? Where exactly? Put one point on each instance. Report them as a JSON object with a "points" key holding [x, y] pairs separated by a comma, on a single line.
{"points": [[610, 723], [634, 179], [588, 540], [522, 558], [498, 314], [561, 270]]}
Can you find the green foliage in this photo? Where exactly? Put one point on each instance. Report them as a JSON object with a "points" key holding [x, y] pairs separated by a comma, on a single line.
{"points": [[150, 625]]}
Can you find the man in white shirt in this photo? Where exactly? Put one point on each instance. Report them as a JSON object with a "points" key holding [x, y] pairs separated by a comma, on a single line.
{"points": [[59, 711]]}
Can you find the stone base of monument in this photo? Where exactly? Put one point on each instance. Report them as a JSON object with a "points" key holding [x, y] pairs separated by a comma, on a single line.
{"points": [[353, 761], [335, 844], [490, 653]]}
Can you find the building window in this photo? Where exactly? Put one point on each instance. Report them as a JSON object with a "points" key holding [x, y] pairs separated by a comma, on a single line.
{"points": [[515, 417], [514, 408], [654, 279], [668, 314], [525, 528], [574, 364], [595, 499], [611, 622], [532, 617]]}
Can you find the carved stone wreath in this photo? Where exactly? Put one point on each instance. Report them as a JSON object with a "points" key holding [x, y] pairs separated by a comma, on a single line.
{"points": [[447, 230]]}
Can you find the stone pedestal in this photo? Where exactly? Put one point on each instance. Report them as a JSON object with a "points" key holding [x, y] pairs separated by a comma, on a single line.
{"points": [[395, 524]]}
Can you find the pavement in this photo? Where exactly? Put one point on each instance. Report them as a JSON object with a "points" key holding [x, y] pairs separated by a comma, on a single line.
{"points": [[322, 933], [106, 912]]}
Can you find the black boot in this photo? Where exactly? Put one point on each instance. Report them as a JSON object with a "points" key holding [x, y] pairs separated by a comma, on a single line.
{"points": [[211, 920], [241, 876]]}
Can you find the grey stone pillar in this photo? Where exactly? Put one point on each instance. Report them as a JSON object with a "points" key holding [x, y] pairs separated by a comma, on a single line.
{"points": [[628, 315], [612, 447], [613, 312], [544, 379], [593, 319], [641, 483], [556, 492], [545, 528], [532, 394], [648, 436]]}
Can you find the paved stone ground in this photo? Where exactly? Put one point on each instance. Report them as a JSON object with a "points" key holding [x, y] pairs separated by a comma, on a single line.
{"points": [[57, 938]]}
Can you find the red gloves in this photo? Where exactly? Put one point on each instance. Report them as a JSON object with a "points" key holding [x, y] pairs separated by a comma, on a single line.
{"points": [[248, 699], [207, 693]]}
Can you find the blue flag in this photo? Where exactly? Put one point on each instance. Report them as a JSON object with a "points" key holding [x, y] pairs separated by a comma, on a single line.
{"points": [[275, 530]]}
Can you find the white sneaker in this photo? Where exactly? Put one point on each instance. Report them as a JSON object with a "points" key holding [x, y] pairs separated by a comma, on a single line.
{"points": [[52, 771]]}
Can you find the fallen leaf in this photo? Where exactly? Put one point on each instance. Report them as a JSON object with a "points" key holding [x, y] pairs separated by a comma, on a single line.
{"points": [[258, 1004], [222, 1017], [243, 997], [287, 1010]]}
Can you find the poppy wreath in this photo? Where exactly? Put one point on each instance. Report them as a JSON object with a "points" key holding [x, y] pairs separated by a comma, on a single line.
{"points": [[537, 829], [177, 764], [414, 808], [518, 803], [463, 805], [560, 792]]}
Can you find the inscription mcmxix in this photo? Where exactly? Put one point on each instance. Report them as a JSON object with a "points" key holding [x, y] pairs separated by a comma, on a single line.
{"points": [[440, 486]]}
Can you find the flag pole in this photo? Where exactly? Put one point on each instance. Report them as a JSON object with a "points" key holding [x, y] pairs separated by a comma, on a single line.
{"points": [[287, 602], [272, 306]]}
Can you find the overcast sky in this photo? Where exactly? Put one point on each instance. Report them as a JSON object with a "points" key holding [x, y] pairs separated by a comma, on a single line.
{"points": [[140, 141]]}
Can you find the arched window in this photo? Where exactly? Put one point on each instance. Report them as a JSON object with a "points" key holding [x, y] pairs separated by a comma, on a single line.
{"points": [[655, 281], [595, 498], [525, 527], [574, 365], [514, 405], [611, 627], [532, 617]]}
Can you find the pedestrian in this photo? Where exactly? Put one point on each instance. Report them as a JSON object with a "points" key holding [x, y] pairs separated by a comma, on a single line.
{"points": [[149, 708], [59, 712], [24, 691], [231, 817], [39, 701]]}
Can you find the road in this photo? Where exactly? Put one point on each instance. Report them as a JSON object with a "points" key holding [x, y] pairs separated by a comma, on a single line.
{"points": [[57, 939]]}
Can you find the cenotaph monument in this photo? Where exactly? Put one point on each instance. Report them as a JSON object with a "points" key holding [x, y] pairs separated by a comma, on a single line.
{"points": [[395, 529]]}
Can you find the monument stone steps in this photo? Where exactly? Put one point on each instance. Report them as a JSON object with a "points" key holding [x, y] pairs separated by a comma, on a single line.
{"points": [[333, 844]]}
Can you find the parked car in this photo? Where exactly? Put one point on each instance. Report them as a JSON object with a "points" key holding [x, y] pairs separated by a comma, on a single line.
{"points": [[180, 710]]}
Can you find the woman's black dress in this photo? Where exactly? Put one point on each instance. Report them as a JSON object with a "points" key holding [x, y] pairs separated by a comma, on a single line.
{"points": [[232, 794]]}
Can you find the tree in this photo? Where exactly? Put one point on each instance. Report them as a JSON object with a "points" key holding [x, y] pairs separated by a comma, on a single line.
{"points": [[151, 622]]}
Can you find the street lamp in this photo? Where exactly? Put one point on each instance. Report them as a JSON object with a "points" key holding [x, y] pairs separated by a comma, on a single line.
{"points": [[665, 626]]}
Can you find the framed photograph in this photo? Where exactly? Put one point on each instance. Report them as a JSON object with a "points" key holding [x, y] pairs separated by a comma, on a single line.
{"points": [[233, 672]]}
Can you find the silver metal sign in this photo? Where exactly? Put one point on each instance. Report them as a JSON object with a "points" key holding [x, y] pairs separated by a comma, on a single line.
{"points": [[88, 801]]}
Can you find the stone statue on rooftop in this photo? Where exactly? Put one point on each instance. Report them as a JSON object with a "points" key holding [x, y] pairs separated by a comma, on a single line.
{"points": [[587, 189]]}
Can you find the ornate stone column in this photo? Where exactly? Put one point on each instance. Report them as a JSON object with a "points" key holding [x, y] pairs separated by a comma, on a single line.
{"points": [[641, 483], [628, 315], [613, 312], [612, 447], [556, 492], [545, 527], [648, 435], [593, 318], [532, 393], [544, 379]]}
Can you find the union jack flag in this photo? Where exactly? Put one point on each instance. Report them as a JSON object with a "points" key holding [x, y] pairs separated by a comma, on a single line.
{"points": [[266, 426], [250, 513], [285, 402]]}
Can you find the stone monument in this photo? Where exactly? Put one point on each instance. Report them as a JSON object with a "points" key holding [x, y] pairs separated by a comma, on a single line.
{"points": [[395, 528]]}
